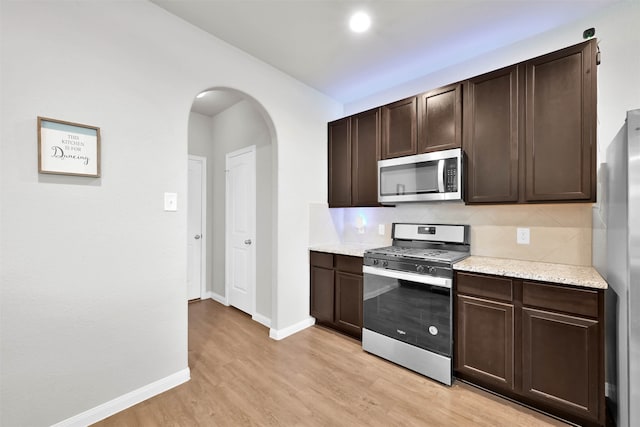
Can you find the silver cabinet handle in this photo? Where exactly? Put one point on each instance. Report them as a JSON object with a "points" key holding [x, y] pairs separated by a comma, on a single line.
{"points": [[197, 236], [247, 242]]}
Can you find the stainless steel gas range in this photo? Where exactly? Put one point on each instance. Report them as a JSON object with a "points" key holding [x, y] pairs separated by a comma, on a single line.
{"points": [[407, 310]]}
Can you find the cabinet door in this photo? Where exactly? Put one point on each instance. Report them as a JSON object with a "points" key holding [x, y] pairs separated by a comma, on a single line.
{"points": [[399, 128], [484, 341], [560, 361], [365, 141], [340, 163], [561, 125], [492, 136], [440, 119], [322, 294], [348, 315]]}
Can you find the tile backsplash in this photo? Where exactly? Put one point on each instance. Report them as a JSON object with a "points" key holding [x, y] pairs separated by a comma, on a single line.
{"points": [[559, 233]]}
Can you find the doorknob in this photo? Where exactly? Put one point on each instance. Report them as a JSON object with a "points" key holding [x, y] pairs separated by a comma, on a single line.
{"points": [[247, 242], [197, 236]]}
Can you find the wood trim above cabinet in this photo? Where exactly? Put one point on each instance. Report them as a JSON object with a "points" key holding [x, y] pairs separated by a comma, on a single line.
{"points": [[440, 119]]}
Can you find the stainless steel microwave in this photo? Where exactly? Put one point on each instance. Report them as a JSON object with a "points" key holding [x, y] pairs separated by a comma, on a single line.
{"points": [[423, 177]]}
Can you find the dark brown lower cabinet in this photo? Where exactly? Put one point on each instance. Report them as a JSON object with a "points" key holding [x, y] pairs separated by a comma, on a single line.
{"points": [[539, 343], [336, 292], [485, 340], [348, 303], [559, 361], [322, 294]]}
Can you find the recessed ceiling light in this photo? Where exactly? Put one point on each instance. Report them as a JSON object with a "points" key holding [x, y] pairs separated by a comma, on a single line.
{"points": [[359, 22]]}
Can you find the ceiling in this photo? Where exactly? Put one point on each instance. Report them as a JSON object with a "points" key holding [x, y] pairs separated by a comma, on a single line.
{"points": [[310, 39], [214, 102]]}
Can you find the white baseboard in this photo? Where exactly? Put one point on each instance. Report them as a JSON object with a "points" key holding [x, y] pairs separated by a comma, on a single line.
{"points": [[206, 295], [217, 297], [125, 401], [278, 334], [262, 319]]}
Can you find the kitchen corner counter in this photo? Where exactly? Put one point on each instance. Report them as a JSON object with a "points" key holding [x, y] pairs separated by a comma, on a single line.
{"points": [[573, 275], [350, 249]]}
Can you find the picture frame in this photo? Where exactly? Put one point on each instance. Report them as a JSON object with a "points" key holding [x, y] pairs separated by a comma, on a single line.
{"points": [[67, 148]]}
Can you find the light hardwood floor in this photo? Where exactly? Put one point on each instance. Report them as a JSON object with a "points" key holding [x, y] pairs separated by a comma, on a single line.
{"points": [[240, 377]]}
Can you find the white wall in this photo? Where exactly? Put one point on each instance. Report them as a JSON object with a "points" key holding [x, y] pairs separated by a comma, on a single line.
{"points": [[93, 285]]}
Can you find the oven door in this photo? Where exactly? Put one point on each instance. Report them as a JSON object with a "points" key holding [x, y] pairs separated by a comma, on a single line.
{"points": [[409, 307]]}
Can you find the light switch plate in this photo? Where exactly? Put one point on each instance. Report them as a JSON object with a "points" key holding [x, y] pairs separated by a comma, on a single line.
{"points": [[523, 236], [381, 229], [170, 202]]}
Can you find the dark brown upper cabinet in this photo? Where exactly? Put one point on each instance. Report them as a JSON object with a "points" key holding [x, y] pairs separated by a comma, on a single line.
{"points": [[530, 130], [492, 135], [399, 128], [365, 153], [440, 119], [428, 122], [354, 144], [340, 163], [560, 146]]}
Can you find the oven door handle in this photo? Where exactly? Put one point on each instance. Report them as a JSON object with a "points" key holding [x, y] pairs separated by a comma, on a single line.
{"points": [[411, 277]]}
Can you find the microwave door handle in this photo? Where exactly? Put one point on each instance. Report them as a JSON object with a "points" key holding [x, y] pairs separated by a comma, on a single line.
{"points": [[441, 176]]}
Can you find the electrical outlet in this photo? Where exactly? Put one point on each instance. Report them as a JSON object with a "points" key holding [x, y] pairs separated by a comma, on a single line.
{"points": [[522, 236]]}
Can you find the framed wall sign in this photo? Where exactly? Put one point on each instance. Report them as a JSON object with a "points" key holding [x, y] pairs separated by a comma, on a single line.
{"points": [[66, 148]]}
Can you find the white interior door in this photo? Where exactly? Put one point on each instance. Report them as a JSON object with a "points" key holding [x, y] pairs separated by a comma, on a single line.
{"points": [[196, 214], [240, 264]]}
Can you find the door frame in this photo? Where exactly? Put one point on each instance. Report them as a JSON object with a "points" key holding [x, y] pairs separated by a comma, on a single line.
{"points": [[227, 235], [203, 197]]}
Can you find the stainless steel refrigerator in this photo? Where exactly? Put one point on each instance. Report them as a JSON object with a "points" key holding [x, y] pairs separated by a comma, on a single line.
{"points": [[620, 212]]}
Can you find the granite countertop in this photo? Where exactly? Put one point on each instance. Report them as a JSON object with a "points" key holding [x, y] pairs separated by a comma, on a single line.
{"points": [[574, 275], [351, 249]]}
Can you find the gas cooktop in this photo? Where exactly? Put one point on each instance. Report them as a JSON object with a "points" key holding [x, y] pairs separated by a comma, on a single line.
{"points": [[420, 253]]}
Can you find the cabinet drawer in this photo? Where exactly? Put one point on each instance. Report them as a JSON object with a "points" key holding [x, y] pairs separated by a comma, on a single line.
{"points": [[349, 264], [582, 302], [497, 288], [321, 259]]}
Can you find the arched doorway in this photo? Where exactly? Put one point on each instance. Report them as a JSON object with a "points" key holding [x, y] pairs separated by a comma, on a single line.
{"points": [[221, 121]]}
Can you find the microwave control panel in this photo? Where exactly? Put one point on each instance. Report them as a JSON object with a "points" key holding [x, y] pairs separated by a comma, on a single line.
{"points": [[451, 175]]}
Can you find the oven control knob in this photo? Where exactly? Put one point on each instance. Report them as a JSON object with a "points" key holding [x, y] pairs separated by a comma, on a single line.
{"points": [[375, 262], [385, 263], [420, 268], [431, 270]]}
